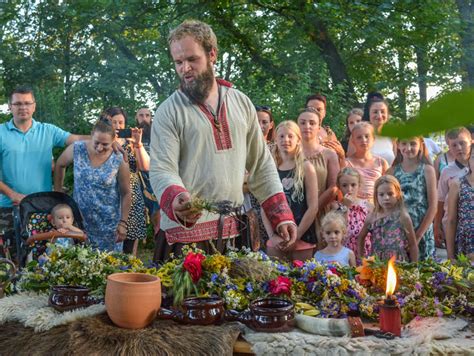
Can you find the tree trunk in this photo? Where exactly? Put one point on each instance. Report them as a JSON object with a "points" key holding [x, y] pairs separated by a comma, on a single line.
{"points": [[402, 89], [466, 13], [68, 104], [330, 54], [422, 72]]}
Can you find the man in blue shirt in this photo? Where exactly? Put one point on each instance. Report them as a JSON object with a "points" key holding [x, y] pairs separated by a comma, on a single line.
{"points": [[26, 151]]}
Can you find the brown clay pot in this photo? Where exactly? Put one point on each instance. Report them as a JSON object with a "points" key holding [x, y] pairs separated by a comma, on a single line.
{"points": [[132, 300], [64, 298]]}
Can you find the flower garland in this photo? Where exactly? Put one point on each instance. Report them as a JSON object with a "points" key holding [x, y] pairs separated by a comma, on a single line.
{"points": [[427, 288]]}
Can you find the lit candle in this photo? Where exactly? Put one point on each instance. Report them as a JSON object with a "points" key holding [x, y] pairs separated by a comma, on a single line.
{"points": [[390, 315]]}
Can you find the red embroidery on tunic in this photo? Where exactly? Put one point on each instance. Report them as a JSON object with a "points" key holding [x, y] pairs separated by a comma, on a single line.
{"points": [[220, 130], [203, 231], [224, 82], [277, 209], [167, 199]]}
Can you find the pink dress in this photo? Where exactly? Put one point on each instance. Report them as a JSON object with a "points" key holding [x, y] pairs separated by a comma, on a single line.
{"points": [[355, 220], [369, 176]]}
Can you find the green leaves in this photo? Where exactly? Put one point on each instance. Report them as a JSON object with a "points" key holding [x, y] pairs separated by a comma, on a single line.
{"points": [[449, 111]]}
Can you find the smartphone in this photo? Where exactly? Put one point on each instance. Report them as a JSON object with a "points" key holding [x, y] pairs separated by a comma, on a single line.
{"points": [[125, 133]]}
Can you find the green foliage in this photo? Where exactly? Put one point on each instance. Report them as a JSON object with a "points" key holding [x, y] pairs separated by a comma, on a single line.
{"points": [[449, 111], [82, 56]]}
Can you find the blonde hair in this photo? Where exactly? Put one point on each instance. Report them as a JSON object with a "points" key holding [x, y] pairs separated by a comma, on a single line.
{"points": [[298, 177], [388, 179], [364, 125], [423, 155], [335, 217], [348, 171]]}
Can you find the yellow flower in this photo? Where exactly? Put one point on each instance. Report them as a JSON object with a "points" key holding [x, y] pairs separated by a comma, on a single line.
{"points": [[216, 263]]}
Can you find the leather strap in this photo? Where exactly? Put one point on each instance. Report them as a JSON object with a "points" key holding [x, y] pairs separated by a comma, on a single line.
{"points": [[220, 228], [356, 326]]}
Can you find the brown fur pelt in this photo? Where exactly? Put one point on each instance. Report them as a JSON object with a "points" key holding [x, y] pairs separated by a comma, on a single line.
{"points": [[98, 336]]}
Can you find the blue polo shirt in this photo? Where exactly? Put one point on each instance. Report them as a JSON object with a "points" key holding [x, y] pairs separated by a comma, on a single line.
{"points": [[25, 158]]}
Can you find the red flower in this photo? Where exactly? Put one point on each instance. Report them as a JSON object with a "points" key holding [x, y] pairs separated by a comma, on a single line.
{"points": [[334, 271], [193, 264], [281, 285], [298, 263]]}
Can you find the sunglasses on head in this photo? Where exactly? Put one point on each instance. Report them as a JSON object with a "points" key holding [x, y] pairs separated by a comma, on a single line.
{"points": [[263, 108]]}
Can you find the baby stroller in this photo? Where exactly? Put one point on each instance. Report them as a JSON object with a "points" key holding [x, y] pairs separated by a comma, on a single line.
{"points": [[34, 219]]}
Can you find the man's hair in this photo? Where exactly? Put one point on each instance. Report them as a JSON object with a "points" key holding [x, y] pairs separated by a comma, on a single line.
{"points": [[21, 90], [455, 133], [200, 31], [319, 97]]}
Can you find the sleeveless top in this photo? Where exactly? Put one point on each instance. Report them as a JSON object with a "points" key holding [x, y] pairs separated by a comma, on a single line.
{"points": [[416, 201], [97, 195], [389, 238], [297, 207], [321, 168], [383, 147], [464, 241], [369, 176], [341, 257]]}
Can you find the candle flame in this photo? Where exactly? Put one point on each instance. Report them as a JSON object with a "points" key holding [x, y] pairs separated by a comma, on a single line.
{"points": [[391, 277]]}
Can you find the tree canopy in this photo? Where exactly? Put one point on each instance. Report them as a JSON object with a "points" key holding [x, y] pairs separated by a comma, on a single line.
{"points": [[82, 56]]}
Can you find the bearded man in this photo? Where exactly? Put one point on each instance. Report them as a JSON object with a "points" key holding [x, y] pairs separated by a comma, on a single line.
{"points": [[204, 137]]}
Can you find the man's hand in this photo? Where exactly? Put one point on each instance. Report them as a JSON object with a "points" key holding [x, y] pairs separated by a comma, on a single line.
{"points": [[117, 147], [182, 209], [288, 233], [16, 198]]}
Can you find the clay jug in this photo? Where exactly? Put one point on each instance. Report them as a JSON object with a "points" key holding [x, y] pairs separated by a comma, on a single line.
{"points": [[132, 300]]}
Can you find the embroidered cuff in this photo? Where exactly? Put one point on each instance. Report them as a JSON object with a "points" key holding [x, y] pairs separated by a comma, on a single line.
{"points": [[277, 210], [167, 198]]}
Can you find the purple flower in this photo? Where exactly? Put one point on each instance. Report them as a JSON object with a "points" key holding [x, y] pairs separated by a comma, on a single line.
{"points": [[418, 286], [439, 313], [282, 268], [214, 277], [436, 301], [249, 287]]}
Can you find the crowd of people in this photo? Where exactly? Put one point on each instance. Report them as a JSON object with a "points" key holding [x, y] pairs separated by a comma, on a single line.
{"points": [[315, 196]]}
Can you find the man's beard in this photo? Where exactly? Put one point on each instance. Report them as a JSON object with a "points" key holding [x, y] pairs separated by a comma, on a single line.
{"points": [[146, 127], [198, 90]]}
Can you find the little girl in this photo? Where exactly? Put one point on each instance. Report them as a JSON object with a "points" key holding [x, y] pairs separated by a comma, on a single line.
{"points": [[348, 183], [333, 228], [412, 167], [369, 166], [299, 181], [460, 227], [390, 225]]}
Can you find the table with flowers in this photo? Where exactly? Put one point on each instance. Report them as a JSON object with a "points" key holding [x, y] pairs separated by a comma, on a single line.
{"points": [[425, 289]]}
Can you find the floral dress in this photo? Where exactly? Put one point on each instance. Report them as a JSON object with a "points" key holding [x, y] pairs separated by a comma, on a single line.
{"points": [[464, 242], [136, 223], [389, 238], [97, 195], [416, 201], [356, 215]]}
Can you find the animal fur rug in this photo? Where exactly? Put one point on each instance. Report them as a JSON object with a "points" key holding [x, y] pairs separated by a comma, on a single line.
{"points": [[427, 336], [32, 310], [98, 336]]}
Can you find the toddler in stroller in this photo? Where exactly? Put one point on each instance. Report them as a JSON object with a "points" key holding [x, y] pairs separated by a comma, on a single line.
{"points": [[49, 216]]}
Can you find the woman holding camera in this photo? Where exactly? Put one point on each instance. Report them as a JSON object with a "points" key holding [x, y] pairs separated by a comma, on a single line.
{"points": [[138, 160]]}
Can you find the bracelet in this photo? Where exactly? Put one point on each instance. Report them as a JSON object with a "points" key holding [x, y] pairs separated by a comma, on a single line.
{"points": [[139, 145], [122, 221]]}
